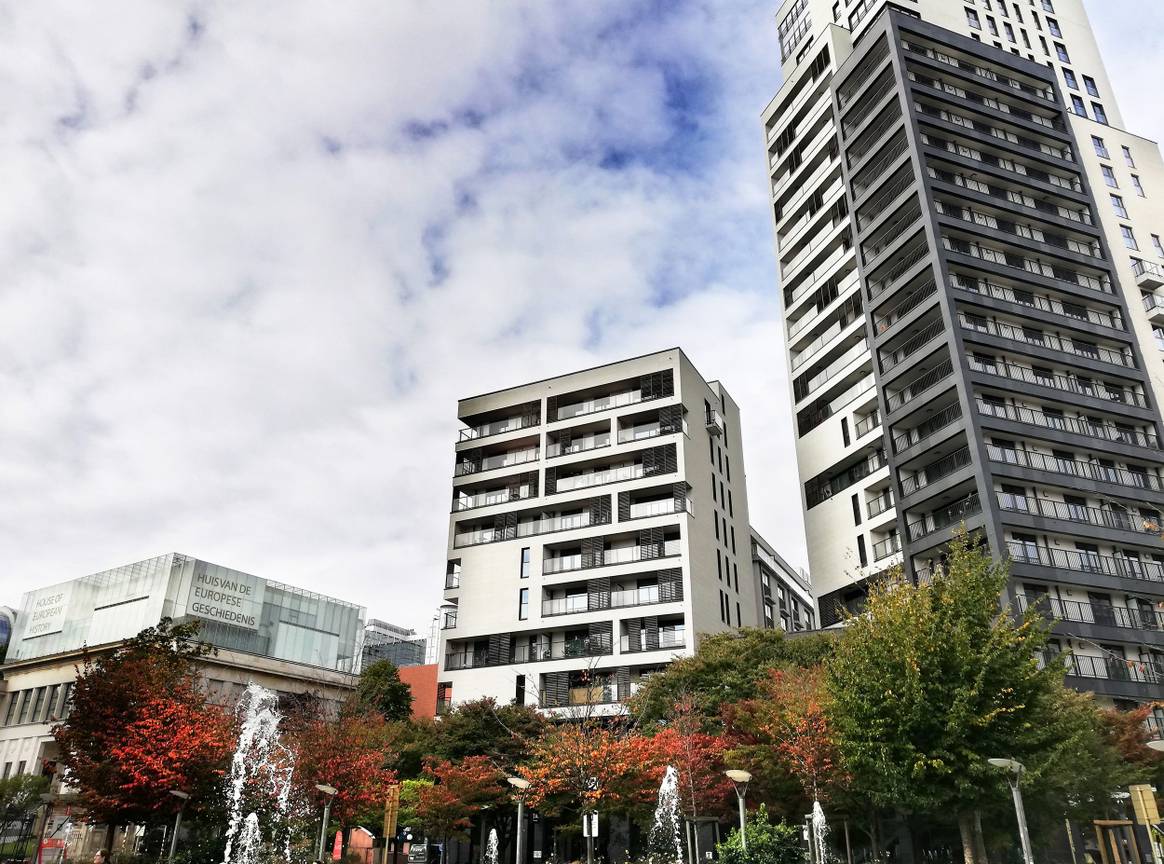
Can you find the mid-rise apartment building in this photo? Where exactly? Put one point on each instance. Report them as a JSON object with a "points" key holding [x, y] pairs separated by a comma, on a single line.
{"points": [[599, 526], [400, 646], [968, 256], [786, 599]]}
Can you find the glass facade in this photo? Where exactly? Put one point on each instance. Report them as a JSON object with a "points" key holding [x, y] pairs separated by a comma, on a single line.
{"points": [[236, 611]]}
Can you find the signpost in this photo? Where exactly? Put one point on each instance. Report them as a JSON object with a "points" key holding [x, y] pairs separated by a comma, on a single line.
{"points": [[590, 832], [391, 813]]}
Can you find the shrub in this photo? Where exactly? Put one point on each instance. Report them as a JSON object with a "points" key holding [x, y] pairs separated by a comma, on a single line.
{"points": [[768, 842]]}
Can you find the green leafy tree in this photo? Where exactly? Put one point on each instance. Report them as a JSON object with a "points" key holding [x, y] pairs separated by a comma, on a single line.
{"points": [[768, 842], [931, 681], [728, 667], [503, 733], [381, 690], [19, 798]]}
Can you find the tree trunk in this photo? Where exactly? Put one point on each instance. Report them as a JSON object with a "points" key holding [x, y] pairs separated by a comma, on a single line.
{"points": [[979, 839], [966, 831]]}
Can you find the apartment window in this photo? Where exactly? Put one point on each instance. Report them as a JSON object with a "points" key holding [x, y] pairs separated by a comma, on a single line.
{"points": [[1128, 156], [1026, 41], [972, 19], [1048, 7], [1138, 186], [519, 691], [1009, 31], [1053, 26], [731, 507], [719, 565], [728, 470], [736, 574], [715, 521], [7, 770], [1129, 237], [20, 768], [1109, 176], [1117, 203], [862, 555], [1061, 53], [25, 705], [1077, 106], [1157, 245], [522, 604], [1068, 75], [525, 563], [720, 461], [739, 620], [1100, 147], [11, 712], [713, 498], [991, 26], [1100, 114], [1089, 84], [721, 495], [856, 511]]}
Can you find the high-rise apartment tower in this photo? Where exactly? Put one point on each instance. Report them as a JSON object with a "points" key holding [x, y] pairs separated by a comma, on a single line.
{"points": [[969, 243]]}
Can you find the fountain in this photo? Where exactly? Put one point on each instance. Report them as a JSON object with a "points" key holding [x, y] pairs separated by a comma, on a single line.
{"points": [[664, 845], [491, 847], [820, 834], [263, 766]]}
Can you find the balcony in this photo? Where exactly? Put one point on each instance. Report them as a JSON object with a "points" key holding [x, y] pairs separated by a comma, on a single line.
{"points": [[1073, 468], [1031, 336], [1101, 431], [1111, 669], [668, 640], [1119, 520], [919, 385], [608, 557], [491, 497], [1148, 276], [1028, 266], [935, 471], [1045, 93], [501, 460], [1079, 387], [566, 605], [1068, 311], [867, 423], [560, 649], [945, 517], [1119, 566], [549, 525], [1097, 613], [908, 259], [453, 580], [713, 422], [598, 478], [601, 403], [913, 344], [660, 507], [825, 486], [577, 445], [942, 419], [899, 310], [877, 506], [499, 427], [887, 547]]}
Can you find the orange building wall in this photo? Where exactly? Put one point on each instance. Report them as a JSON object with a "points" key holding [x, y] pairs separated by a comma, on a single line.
{"points": [[422, 681]]}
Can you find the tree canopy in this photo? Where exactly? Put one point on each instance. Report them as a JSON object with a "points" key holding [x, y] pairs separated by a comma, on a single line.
{"points": [[380, 689]]}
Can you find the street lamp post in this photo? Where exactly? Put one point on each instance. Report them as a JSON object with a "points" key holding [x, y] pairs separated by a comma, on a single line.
{"points": [[1014, 770], [741, 779], [520, 784], [183, 797], [329, 791]]}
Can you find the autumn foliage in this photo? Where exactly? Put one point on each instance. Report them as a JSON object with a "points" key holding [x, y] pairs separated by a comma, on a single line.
{"points": [[458, 793]]}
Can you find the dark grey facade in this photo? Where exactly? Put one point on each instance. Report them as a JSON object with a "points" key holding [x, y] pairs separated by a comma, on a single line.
{"points": [[1010, 385]]}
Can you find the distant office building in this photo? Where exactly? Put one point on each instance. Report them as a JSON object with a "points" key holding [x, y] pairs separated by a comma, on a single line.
{"points": [[7, 622], [401, 646], [290, 640]]}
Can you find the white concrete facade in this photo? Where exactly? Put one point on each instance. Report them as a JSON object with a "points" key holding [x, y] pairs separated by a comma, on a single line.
{"points": [[599, 528]]}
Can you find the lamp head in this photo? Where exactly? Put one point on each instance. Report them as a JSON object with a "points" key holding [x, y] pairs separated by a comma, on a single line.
{"points": [[737, 776], [179, 794], [519, 783], [1011, 765], [325, 789], [1156, 744]]}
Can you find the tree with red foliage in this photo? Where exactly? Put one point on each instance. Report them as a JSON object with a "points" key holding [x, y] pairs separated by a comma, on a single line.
{"points": [[347, 752], [139, 726], [581, 766], [460, 790], [1127, 731], [786, 728], [697, 758]]}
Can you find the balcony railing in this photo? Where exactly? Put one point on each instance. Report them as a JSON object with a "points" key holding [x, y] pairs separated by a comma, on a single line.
{"points": [[990, 74], [1011, 196], [452, 580], [501, 460], [499, 427], [887, 547], [1110, 668], [598, 478], [1027, 265], [1074, 468], [488, 499], [945, 517], [567, 563], [1102, 614], [580, 445], [663, 507], [1085, 562], [899, 310], [1079, 513], [566, 605], [1102, 431], [907, 259], [526, 529], [921, 432], [560, 650], [640, 433], [600, 403], [943, 467], [1051, 341], [919, 385], [668, 639], [867, 423], [637, 596], [1006, 369], [877, 506], [913, 344]]}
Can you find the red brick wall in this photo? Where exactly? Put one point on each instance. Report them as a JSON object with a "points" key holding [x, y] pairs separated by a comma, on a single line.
{"points": [[422, 680]]}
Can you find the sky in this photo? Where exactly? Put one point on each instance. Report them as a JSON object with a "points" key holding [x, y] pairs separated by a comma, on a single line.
{"points": [[252, 255]]}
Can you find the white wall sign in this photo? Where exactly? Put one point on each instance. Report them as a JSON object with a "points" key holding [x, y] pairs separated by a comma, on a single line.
{"points": [[47, 610], [234, 598]]}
